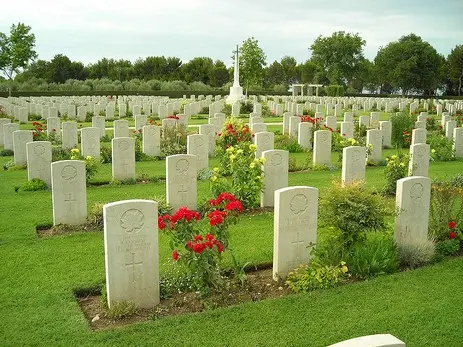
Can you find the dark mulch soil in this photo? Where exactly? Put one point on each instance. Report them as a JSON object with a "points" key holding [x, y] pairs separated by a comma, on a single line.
{"points": [[259, 286]]}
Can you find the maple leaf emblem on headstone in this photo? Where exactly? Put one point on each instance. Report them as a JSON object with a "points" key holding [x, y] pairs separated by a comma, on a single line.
{"points": [[299, 204], [132, 220]]}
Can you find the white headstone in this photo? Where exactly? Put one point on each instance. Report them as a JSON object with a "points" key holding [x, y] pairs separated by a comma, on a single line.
{"points": [[39, 161], [322, 148], [209, 131], [386, 133], [418, 136], [151, 140], [347, 130], [198, 145], [99, 122], [3, 121], [69, 192], [20, 139], [8, 129], [412, 204], [181, 181], [379, 340], [275, 173], [419, 160], [374, 138], [264, 141], [121, 128], [69, 135], [140, 122], [294, 126], [90, 142], [458, 142], [304, 135], [353, 164], [294, 228], [132, 252], [123, 161]]}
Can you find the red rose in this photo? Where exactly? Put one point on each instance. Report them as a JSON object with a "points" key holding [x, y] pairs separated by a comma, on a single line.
{"points": [[219, 247], [209, 237], [208, 244], [189, 245], [452, 224], [198, 248], [175, 255], [161, 224], [198, 238], [452, 235]]}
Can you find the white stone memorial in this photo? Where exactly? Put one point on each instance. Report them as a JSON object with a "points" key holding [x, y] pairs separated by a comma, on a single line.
{"points": [[123, 161], [181, 181], [275, 173], [322, 148], [39, 161], [20, 139], [353, 164]]}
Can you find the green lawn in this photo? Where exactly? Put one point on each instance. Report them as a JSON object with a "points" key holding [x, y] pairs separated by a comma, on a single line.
{"points": [[38, 276]]}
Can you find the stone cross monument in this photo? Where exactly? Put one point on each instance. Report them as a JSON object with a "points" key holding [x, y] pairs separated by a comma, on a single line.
{"points": [[236, 91]]}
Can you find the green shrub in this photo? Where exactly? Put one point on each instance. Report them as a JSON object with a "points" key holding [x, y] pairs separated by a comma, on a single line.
{"points": [[396, 168], [354, 211], [246, 107], [402, 124], [106, 155], [95, 216], [316, 276], [6, 153], [287, 143], [376, 256], [173, 140], [58, 153], [446, 205], [34, 117], [34, 185], [295, 166], [413, 254], [448, 247], [441, 147]]}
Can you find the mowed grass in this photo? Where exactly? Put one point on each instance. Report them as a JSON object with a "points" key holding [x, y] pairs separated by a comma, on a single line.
{"points": [[39, 275]]}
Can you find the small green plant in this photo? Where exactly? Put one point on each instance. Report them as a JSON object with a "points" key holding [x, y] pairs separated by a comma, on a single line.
{"points": [[58, 153], [376, 256], [316, 276], [106, 155], [34, 185], [396, 168], [287, 143], [11, 166], [95, 216], [354, 211], [441, 147], [6, 153], [173, 140], [448, 247], [91, 164], [416, 253], [121, 309], [402, 123]]}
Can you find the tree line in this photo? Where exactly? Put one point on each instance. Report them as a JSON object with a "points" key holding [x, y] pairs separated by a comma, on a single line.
{"points": [[409, 65]]}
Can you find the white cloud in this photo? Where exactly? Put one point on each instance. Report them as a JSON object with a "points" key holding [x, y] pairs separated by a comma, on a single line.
{"points": [[88, 30]]}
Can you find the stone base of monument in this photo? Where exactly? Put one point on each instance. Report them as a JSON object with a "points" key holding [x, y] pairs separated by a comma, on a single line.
{"points": [[379, 340], [236, 94]]}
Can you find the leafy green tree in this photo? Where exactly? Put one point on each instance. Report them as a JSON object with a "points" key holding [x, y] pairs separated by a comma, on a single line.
{"points": [[339, 55], [252, 61], [197, 70], [410, 64], [61, 68], [17, 49], [455, 67], [289, 65], [219, 74], [274, 74]]}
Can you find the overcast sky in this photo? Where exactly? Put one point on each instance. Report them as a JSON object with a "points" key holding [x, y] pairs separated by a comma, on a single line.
{"points": [[87, 30]]}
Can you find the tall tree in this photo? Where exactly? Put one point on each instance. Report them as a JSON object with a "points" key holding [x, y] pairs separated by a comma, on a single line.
{"points": [[198, 70], [17, 49], [252, 61], [61, 68], [339, 55], [455, 67], [274, 74], [289, 65], [219, 74], [410, 64]]}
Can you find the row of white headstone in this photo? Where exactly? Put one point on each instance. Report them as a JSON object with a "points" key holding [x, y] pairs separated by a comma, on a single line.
{"points": [[131, 236]]}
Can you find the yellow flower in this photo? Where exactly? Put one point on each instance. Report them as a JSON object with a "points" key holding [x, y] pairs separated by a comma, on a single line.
{"points": [[402, 165], [240, 151], [433, 151], [88, 157], [252, 165], [230, 149], [214, 178], [263, 160], [75, 150], [232, 157], [252, 147], [216, 169], [394, 157], [344, 269], [258, 177]]}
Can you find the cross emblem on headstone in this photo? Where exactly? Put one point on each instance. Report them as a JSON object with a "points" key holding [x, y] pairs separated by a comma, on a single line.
{"points": [[183, 193], [69, 201], [125, 165], [298, 247], [132, 264]]}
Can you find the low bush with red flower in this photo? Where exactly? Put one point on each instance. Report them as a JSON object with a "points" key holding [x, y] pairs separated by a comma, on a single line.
{"points": [[198, 241]]}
